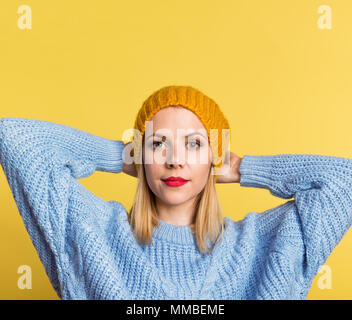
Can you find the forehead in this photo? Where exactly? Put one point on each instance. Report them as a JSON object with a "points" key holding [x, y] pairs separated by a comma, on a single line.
{"points": [[174, 117]]}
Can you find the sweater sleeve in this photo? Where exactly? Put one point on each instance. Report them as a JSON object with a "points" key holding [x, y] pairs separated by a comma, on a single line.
{"points": [[41, 161], [322, 190]]}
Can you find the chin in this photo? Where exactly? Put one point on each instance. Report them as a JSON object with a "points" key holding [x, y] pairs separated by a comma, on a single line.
{"points": [[173, 201]]}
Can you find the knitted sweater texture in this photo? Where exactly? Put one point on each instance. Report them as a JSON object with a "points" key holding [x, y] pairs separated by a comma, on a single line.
{"points": [[89, 251]]}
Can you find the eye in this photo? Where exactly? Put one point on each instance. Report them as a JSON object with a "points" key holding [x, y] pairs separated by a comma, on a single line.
{"points": [[156, 144], [195, 143]]}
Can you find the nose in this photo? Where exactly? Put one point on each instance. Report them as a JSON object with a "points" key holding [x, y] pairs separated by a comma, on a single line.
{"points": [[175, 157]]}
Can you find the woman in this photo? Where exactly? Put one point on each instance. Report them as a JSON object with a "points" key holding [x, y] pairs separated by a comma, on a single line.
{"points": [[175, 242]]}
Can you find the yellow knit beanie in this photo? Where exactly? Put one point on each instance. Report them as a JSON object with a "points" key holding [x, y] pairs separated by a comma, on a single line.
{"points": [[194, 100]]}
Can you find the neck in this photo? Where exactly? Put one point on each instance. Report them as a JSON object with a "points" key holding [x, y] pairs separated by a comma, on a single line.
{"points": [[178, 215]]}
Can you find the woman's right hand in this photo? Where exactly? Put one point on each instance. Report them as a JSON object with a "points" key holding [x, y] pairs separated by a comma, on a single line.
{"points": [[129, 169]]}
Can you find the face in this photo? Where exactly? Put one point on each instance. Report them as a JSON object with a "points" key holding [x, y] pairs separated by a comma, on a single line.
{"points": [[172, 150]]}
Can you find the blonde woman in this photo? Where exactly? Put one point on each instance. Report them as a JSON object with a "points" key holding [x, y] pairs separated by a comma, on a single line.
{"points": [[174, 242]]}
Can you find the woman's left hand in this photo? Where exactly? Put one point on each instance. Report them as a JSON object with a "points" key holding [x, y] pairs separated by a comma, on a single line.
{"points": [[229, 172]]}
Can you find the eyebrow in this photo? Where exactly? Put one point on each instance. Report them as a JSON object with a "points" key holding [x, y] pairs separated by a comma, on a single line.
{"points": [[190, 134]]}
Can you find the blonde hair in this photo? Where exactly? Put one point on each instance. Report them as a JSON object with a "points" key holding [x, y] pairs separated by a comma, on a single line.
{"points": [[208, 225]]}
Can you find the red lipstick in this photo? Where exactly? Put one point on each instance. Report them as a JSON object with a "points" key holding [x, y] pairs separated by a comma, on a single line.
{"points": [[175, 181]]}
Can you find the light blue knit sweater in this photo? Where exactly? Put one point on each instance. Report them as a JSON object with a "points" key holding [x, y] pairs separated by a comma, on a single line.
{"points": [[89, 252]]}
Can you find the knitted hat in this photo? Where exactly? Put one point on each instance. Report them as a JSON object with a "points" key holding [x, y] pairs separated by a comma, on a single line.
{"points": [[194, 100]]}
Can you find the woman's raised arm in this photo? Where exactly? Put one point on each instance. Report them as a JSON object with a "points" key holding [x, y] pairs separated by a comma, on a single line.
{"points": [[322, 191], [41, 161]]}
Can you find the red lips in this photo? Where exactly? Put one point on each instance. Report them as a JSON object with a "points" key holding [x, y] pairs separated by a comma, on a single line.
{"points": [[175, 179]]}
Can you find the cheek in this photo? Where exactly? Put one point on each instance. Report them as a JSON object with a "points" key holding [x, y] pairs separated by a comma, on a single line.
{"points": [[152, 171], [200, 174]]}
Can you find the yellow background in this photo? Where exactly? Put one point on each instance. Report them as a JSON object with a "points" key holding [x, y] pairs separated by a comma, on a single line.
{"points": [[283, 83]]}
